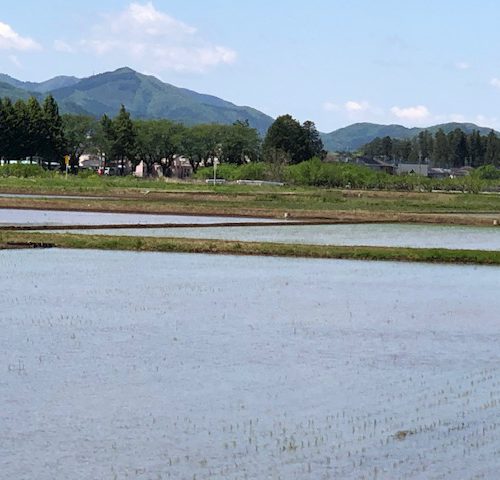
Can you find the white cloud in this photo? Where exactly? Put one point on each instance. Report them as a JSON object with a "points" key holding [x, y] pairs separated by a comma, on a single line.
{"points": [[155, 41], [63, 47], [11, 40], [495, 82], [353, 106], [417, 113], [485, 121], [462, 65]]}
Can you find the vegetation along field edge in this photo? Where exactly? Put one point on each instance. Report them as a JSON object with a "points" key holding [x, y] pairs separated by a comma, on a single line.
{"points": [[185, 245]]}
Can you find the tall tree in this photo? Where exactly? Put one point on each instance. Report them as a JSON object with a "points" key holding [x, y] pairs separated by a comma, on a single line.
{"points": [[36, 128], [54, 145], [492, 153], [8, 127], [125, 138], [440, 153], [313, 145]]}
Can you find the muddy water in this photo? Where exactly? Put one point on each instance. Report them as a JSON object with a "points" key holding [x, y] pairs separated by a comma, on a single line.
{"points": [[148, 366]]}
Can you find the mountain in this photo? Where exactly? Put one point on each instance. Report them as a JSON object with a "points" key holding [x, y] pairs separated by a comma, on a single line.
{"points": [[41, 87], [14, 93], [144, 97], [359, 134]]}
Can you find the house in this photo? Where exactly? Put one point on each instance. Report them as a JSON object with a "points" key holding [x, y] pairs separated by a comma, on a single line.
{"points": [[181, 167], [461, 172], [412, 169], [376, 164], [439, 173], [90, 161]]}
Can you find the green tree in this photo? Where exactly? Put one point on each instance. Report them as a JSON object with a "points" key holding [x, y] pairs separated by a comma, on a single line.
{"points": [[457, 144], [239, 143], [158, 141], [312, 143], [440, 154], [54, 142], [79, 133], [125, 138], [492, 153], [476, 149], [285, 135], [36, 128], [386, 147]]}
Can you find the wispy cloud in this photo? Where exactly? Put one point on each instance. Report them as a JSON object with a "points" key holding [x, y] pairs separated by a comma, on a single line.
{"points": [[417, 113], [155, 41], [353, 106], [495, 82], [63, 47], [11, 40], [462, 65]]}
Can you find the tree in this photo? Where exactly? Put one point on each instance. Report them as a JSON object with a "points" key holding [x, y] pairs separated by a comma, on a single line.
{"points": [[36, 128], [125, 138], [476, 149], [8, 133], [425, 146], [157, 142], [239, 143], [285, 135], [387, 147], [440, 152], [79, 133], [54, 142], [313, 145], [294, 141], [492, 153], [458, 151], [106, 138]]}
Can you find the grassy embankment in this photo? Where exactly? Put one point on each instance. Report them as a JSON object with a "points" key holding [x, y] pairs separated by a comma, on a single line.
{"points": [[434, 255], [143, 196]]}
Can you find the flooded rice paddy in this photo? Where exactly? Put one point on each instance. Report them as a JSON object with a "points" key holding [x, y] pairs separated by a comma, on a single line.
{"points": [[397, 235], [53, 217], [122, 365]]}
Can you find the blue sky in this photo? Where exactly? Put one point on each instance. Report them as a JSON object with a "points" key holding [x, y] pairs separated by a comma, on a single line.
{"points": [[334, 62]]}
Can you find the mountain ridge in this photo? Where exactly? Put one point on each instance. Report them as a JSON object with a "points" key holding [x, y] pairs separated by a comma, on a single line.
{"points": [[354, 136], [144, 96], [147, 97]]}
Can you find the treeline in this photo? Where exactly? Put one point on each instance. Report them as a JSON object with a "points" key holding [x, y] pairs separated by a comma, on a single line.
{"points": [[29, 129], [455, 149]]}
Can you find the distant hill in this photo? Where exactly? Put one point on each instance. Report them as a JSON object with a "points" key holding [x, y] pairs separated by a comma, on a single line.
{"points": [[42, 87], [147, 97], [144, 97], [355, 136], [14, 93]]}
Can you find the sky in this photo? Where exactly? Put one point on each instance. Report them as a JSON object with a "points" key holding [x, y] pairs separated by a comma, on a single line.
{"points": [[334, 62]]}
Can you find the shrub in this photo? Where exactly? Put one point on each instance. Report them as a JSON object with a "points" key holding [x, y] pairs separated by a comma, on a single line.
{"points": [[24, 171]]}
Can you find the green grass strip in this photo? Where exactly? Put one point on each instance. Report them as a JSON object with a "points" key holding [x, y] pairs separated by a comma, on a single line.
{"points": [[188, 245]]}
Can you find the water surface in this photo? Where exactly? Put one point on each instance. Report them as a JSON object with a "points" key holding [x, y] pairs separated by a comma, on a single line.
{"points": [[146, 366], [52, 217], [397, 235]]}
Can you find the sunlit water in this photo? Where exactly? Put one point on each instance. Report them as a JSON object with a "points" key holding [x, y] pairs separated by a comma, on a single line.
{"points": [[400, 235], [52, 217], [168, 366]]}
